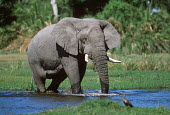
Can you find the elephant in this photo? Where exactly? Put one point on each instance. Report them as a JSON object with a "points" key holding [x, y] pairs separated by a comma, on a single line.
{"points": [[58, 51]]}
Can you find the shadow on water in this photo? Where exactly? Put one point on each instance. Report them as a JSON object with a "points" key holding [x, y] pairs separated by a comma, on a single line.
{"points": [[25, 102]]}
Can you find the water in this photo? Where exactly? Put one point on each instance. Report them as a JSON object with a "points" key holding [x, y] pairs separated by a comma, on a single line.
{"points": [[147, 98], [25, 102]]}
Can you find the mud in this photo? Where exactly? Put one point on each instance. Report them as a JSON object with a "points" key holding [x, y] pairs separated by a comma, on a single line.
{"points": [[26, 102]]}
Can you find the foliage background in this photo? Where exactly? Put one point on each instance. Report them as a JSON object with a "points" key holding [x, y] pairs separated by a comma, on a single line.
{"points": [[142, 30]]}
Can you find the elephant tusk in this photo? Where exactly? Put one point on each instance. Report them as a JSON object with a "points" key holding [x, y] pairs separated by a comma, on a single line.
{"points": [[86, 58], [109, 59], [114, 61]]}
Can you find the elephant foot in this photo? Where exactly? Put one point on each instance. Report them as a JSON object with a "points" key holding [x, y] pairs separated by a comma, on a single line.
{"points": [[47, 91], [69, 91], [76, 88], [80, 91], [105, 91], [42, 90], [66, 92], [52, 91], [38, 91]]}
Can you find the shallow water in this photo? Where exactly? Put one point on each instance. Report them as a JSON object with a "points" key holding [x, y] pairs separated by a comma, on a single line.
{"points": [[25, 102]]}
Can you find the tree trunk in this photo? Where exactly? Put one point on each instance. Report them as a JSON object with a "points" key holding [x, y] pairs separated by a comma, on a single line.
{"points": [[55, 8]]}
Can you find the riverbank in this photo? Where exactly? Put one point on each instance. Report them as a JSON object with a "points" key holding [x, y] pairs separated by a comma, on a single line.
{"points": [[104, 107]]}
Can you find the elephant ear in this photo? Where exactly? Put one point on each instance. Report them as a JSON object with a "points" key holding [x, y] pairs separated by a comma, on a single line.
{"points": [[112, 37], [64, 35]]}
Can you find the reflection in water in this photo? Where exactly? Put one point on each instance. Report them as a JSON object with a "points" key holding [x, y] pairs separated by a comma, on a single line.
{"points": [[24, 102]]}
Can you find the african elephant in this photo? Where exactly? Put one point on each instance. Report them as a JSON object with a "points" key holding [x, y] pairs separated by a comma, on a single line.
{"points": [[58, 51]]}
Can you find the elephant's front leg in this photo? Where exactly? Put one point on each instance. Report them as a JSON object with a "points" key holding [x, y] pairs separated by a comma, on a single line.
{"points": [[72, 69]]}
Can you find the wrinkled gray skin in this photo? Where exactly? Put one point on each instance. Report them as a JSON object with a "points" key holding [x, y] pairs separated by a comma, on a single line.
{"points": [[58, 51]]}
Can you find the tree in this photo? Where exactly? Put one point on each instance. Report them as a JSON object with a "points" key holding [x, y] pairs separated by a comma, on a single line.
{"points": [[55, 8], [86, 7], [6, 9]]}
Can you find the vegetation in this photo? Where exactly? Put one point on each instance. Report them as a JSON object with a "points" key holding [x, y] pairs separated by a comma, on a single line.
{"points": [[142, 29], [106, 107], [30, 18], [15, 73], [143, 62]]}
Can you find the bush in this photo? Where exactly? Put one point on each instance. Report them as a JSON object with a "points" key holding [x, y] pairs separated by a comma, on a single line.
{"points": [[31, 16], [141, 31]]}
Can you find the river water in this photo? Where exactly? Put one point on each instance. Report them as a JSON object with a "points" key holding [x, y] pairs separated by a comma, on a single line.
{"points": [[26, 102]]}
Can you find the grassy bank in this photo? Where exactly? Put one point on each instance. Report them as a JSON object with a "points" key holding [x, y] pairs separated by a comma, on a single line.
{"points": [[104, 107], [15, 73]]}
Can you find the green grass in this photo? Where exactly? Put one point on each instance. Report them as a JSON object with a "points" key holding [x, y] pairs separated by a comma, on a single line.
{"points": [[104, 107], [21, 80], [15, 74], [156, 62], [129, 80]]}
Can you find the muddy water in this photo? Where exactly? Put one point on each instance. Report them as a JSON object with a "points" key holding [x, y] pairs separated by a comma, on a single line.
{"points": [[25, 102]]}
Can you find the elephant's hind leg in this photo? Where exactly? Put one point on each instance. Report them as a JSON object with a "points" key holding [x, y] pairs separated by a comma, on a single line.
{"points": [[82, 70], [39, 76], [60, 77]]}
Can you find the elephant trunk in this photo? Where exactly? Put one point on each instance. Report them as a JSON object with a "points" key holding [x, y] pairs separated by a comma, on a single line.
{"points": [[100, 62]]}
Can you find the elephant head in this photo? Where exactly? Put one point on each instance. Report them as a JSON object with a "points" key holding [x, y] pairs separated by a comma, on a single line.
{"points": [[88, 36]]}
